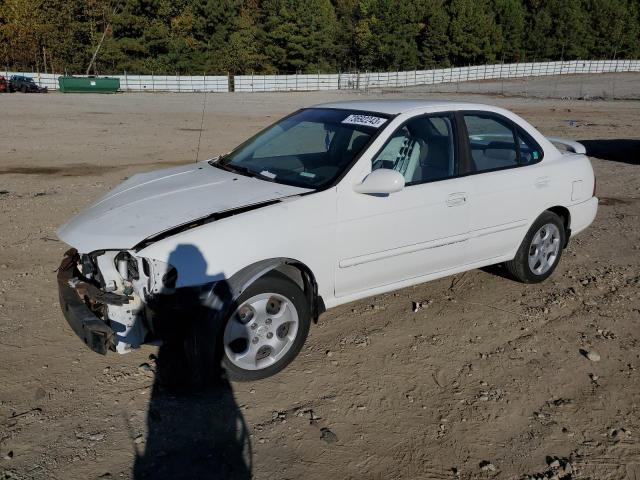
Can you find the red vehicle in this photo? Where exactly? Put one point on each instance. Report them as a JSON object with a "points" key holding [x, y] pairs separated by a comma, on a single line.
{"points": [[3, 84]]}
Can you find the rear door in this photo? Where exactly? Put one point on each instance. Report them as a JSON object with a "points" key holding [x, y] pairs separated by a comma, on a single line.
{"points": [[506, 183]]}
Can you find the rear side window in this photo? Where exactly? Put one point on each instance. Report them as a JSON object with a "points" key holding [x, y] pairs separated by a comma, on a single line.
{"points": [[495, 143], [492, 143]]}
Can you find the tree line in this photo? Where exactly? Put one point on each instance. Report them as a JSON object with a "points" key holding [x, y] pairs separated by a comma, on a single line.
{"points": [[270, 36]]}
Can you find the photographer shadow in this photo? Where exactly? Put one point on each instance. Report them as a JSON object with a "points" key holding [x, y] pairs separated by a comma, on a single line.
{"points": [[192, 431]]}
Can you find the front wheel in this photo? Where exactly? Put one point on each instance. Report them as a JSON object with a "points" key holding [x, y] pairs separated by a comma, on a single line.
{"points": [[540, 251], [267, 330]]}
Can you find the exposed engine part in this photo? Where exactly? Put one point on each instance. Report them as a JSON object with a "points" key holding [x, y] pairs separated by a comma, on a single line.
{"points": [[127, 266], [126, 284], [87, 267], [123, 268]]}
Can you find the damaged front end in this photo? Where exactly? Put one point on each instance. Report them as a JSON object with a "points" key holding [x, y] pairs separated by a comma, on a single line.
{"points": [[106, 297]]}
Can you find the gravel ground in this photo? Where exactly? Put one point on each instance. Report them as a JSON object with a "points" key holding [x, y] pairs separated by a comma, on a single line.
{"points": [[488, 379]]}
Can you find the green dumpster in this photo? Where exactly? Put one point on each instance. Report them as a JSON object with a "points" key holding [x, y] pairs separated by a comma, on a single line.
{"points": [[89, 84]]}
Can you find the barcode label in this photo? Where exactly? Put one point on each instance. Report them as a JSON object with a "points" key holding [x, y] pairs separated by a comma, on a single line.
{"points": [[366, 120]]}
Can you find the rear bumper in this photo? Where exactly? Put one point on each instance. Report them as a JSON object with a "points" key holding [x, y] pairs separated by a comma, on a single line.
{"points": [[583, 214], [91, 329]]}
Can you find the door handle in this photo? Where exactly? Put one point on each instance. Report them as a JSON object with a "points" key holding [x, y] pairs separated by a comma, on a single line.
{"points": [[456, 199], [542, 182]]}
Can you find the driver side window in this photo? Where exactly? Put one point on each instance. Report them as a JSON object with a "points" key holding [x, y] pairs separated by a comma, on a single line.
{"points": [[422, 150]]}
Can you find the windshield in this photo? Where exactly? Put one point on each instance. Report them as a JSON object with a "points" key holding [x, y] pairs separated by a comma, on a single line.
{"points": [[310, 148]]}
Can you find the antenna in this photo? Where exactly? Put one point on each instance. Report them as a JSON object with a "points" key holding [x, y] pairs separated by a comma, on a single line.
{"points": [[204, 107]]}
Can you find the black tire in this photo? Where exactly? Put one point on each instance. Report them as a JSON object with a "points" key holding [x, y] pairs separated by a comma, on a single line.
{"points": [[204, 347], [519, 267], [282, 285]]}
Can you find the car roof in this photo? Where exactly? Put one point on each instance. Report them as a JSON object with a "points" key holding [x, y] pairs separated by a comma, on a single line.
{"points": [[394, 107]]}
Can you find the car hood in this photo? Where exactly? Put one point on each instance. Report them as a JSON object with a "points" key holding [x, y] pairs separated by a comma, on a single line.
{"points": [[150, 203]]}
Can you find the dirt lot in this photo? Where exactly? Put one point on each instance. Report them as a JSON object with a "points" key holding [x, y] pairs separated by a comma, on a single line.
{"points": [[485, 381]]}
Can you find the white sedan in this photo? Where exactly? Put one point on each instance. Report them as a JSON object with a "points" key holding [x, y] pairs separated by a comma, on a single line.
{"points": [[236, 256]]}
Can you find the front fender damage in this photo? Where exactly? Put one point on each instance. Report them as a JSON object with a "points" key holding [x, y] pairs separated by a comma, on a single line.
{"points": [[129, 300]]}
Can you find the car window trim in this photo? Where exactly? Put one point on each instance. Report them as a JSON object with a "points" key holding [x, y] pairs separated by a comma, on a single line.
{"points": [[516, 130], [456, 144]]}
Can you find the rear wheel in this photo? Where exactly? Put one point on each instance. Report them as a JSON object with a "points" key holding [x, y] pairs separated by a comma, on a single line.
{"points": [[540, 251]]}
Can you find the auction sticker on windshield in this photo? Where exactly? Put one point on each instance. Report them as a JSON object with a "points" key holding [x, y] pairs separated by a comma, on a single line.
{"points": [[366, 120]]}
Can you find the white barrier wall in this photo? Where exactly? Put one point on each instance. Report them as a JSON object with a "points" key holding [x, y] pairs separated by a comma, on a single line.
{"points": [[174, 83], [286, 83], [366, 80], [350, 81]]}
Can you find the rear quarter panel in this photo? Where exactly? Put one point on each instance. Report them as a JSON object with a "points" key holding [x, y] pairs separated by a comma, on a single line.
{"points": [[570, 184], [570, 179]]}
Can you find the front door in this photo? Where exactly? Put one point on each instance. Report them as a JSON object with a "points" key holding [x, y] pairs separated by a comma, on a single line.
{"points": [[387, 240]]}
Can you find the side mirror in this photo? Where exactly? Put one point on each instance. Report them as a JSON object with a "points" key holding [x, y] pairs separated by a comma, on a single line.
{"points": [[382, 181]]}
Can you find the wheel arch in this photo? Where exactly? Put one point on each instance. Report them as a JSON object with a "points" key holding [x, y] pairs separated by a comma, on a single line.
{"points": [[293, 269], [565, 216], [563, 213]]}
